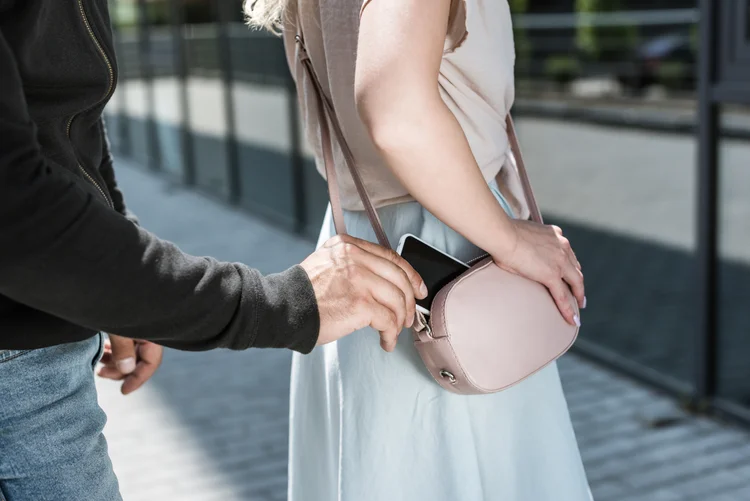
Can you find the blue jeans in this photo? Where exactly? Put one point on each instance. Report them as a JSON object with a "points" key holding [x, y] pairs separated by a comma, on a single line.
{"points": [[51, 442]]}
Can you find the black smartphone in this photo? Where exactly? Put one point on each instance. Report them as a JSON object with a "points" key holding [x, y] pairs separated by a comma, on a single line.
{"points": [[437, 268]]}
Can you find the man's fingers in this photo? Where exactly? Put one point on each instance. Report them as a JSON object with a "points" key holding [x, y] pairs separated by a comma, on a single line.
{"points": [[384, 321], [151, 353], [110, 373], [392, 277], [115, 362], [392, 297], [149, 359], [388, 341], [418, 287], [123, 353], [138, 377]]}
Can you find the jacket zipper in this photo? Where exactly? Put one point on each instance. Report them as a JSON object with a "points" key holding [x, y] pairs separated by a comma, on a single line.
{"points": [[106, 95]]}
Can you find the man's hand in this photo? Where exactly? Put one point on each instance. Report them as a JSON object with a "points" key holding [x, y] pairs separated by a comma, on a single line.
{"points": [[359, 284], [130, 361]]}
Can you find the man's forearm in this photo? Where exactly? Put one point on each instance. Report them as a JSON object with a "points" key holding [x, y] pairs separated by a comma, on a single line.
{"points": [[106, 274], [68, 254]]}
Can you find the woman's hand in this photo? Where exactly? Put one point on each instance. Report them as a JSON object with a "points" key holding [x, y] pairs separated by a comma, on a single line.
{"points": [[541, 253]]}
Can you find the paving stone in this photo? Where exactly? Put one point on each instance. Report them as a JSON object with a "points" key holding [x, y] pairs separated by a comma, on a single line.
{"points": [[213, 426], [609, 490], [677, 470], [701, 487]]}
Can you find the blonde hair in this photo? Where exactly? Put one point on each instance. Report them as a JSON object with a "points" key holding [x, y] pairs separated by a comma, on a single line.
{"points": [[266, 14]]}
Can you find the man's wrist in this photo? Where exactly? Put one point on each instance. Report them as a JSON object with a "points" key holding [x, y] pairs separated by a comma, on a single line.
{"points": [[290, 317]]}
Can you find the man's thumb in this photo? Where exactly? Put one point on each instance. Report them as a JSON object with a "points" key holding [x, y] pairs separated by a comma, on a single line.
{"points": [[123, 353]]}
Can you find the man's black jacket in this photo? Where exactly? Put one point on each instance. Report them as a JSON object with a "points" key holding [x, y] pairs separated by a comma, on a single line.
{"points": [[71, 263]]}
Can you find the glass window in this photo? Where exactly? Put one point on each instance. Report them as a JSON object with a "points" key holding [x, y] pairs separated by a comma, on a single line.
{"points": [[592, 98], [626, 200], [166, 86], [734, 264], [132, 90], [206, 95]]}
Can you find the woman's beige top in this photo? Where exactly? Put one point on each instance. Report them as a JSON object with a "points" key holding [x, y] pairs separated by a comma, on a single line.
{"points": [[476, 83]]}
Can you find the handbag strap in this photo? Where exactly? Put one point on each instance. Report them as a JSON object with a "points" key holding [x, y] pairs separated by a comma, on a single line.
{"points": [[327, 116]]}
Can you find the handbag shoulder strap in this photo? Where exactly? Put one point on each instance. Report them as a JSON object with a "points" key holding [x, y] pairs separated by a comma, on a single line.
{"points": [[327, 117], [327, 114], [528, 192]]}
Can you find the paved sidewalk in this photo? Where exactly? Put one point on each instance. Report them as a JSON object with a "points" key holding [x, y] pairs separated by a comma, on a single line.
{"points": [[213, 426]]}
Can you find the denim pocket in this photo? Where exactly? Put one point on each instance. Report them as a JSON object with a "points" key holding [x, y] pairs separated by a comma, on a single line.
{"points": [[99, 351], [8, 355]]}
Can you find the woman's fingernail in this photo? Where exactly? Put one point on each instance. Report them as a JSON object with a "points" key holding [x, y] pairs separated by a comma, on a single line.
{"points": [[584, 303], [423, 289], [577, 320], [126, 365]]}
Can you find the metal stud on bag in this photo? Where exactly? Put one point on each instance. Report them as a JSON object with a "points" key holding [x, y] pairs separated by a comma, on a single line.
{"points": [[449, 376]]}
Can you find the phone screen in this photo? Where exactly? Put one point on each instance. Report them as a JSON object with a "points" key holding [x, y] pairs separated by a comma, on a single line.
{"points": [[436, 269]]}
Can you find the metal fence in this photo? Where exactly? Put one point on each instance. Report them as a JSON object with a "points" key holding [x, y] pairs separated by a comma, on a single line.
{"points": [[214, 106], [174, 111]]}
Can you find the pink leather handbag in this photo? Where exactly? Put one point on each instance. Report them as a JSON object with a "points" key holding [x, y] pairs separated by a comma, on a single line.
{"points": [[488, 329]]}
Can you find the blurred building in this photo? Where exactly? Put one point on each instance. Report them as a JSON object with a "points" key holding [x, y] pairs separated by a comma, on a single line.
{"points": [[635, 118]]}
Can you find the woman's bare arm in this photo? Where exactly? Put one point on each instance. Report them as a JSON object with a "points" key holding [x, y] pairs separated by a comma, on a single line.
{"points": [[398, 60], [399, 54]]}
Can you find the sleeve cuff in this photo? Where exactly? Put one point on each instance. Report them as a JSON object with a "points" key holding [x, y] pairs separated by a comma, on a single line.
{"points": [[288, 314]]}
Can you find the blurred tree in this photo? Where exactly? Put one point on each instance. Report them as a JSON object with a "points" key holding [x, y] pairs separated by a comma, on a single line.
{"points": [[521, 38], [199, 11], [694, 37], [673, 75], [124, 13], [157, 12], [562, 70], [603, 43]]}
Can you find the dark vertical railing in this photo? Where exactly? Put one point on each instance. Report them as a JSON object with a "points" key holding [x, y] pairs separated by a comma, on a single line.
{"points": [[708, 157], [144, 46], [177, 21], [123, 132], [224, 17], [297, 158]]}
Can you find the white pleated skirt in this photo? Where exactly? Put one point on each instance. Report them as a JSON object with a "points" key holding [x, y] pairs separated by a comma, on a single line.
{"points": [[366, 425]]}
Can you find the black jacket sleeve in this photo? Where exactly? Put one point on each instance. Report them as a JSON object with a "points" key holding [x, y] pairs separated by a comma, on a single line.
{"points": [[107, 171], [66, 254]]}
